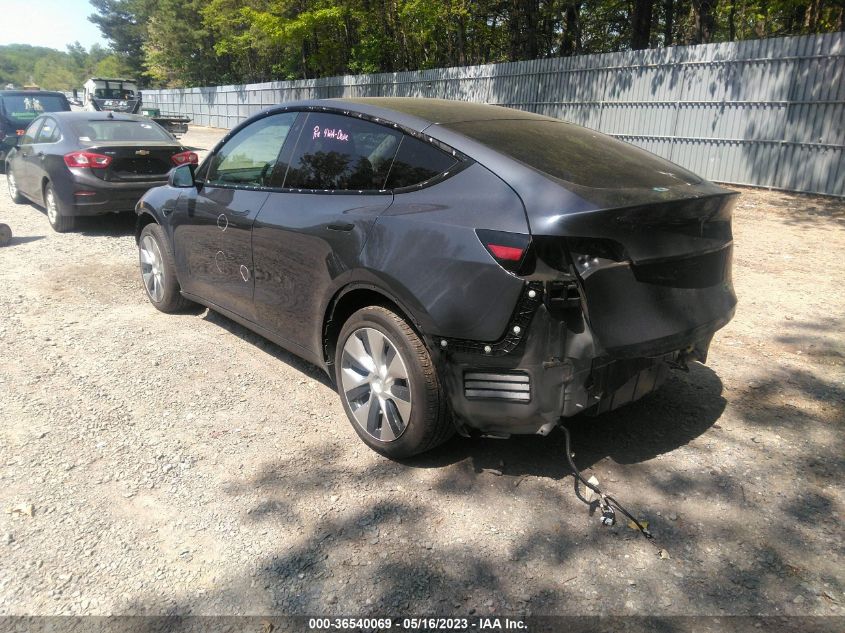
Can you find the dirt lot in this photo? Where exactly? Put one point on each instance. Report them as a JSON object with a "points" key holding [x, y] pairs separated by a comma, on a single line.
{"points": [[181, 464]]}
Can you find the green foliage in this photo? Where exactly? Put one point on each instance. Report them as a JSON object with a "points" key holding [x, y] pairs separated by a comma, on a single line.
{"points": [[207, 42]]}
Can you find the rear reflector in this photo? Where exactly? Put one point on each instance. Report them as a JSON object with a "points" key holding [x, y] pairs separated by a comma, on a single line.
{"points": [[185, 158], [507, 253], [87, 159], [508, 249]]}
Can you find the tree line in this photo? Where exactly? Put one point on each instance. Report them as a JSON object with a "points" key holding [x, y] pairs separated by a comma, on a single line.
{"points": [[21, 65], [212, 42]]}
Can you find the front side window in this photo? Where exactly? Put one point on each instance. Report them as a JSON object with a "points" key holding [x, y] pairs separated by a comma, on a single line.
{"points": [[49, 132], [417, 162], [249, 157], [337, 152]]}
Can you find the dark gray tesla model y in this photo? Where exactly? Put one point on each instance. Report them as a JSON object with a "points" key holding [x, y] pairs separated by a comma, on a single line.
{"points": [[452, 266]]}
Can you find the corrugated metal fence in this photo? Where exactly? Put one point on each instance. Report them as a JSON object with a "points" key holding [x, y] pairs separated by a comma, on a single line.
{"points": [[761, 112]]}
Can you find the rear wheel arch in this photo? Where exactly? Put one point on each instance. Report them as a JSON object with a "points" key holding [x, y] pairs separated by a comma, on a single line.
{"points": [[346, 302]]}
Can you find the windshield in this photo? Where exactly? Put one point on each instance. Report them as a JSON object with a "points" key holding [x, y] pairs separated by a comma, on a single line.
{"points": [[96, 131], [576, 154], [27, 107], [114, 93]]}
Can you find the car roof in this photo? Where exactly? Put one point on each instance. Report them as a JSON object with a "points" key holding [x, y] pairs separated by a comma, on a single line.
{"points": [[27, 93], [443, 110], [412, 112], [86, 115]]}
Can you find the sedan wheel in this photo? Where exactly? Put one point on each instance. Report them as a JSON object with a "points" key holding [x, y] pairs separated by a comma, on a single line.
{"points": [[14, 192], [388, 385], [60, 222], [375, 384]]}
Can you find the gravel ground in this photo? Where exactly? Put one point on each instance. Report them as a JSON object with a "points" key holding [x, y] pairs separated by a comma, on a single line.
{"points": [[181, 464]]}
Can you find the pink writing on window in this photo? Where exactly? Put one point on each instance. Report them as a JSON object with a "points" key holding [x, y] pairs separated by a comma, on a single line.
{"points": [[336, 134]]}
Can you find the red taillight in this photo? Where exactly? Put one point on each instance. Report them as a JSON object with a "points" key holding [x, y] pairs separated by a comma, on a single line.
{"points": [[507, 253], [508, 249], [87, 159], [185, 158], [20, 132]]}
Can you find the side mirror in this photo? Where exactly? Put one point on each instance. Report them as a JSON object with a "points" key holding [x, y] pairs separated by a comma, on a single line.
{"points": [[181, 176]]}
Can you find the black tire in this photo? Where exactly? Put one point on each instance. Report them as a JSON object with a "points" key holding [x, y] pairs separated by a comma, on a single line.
{"points": [[5, 234], [14, 192], [57, 215], [170, 299], [429, 423]]}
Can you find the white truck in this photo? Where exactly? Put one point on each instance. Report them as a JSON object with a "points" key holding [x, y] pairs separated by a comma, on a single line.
{"points": [[122, 95]]}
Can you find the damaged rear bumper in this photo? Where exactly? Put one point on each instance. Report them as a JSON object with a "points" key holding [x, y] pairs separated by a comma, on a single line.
{"points": [[563, 356]]}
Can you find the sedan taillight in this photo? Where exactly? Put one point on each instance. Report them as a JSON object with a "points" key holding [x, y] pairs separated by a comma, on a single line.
{"points": [[87, 159], [185, 158]]}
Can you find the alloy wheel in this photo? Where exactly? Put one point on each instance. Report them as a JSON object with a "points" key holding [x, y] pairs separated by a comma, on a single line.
{"points": [[152, 268], [374, 380]]}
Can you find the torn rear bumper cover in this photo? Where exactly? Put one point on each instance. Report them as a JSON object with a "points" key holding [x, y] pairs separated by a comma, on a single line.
{"points": [[599, 336]]}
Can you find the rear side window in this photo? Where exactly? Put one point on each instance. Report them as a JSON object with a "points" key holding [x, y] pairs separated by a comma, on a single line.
{"points": [[249, 157], [337, 152], [416, 162], [49, 132], [95, 131], [575, 154], [31, 132]]}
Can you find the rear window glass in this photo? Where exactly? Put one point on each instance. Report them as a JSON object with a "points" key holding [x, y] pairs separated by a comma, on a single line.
{"points": [[575, 154], [341, 153], [416, 162], [26, 107], [95, 131]]}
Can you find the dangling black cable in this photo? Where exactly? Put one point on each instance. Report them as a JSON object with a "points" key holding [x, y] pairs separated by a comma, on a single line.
{"points": [[607, 502]]}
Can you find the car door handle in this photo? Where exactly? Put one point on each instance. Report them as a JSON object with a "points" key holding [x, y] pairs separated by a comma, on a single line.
{"points": [[341, 226]]}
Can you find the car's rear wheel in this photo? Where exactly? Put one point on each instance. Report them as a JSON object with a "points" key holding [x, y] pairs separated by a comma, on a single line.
{"points": [[158, 271], [12, 183], [388, 384], [56, 216]]}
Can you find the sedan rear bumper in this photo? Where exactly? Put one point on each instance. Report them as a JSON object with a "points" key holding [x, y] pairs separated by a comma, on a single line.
{"points": [[89, 195]]}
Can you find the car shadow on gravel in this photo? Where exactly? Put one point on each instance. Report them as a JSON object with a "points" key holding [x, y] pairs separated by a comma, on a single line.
{"points": [[683, 409], [24, 239], [277, 352], [110, 225]]}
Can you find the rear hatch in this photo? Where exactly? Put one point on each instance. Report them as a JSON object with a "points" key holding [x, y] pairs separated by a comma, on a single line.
{"points": [[645, 244], [654, 277]]}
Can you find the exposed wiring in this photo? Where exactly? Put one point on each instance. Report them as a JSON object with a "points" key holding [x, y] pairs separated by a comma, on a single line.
{"points": [[607, 503]]}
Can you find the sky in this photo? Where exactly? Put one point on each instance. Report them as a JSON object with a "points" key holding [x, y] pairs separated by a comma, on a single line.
{"points": [[53, 23]]}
